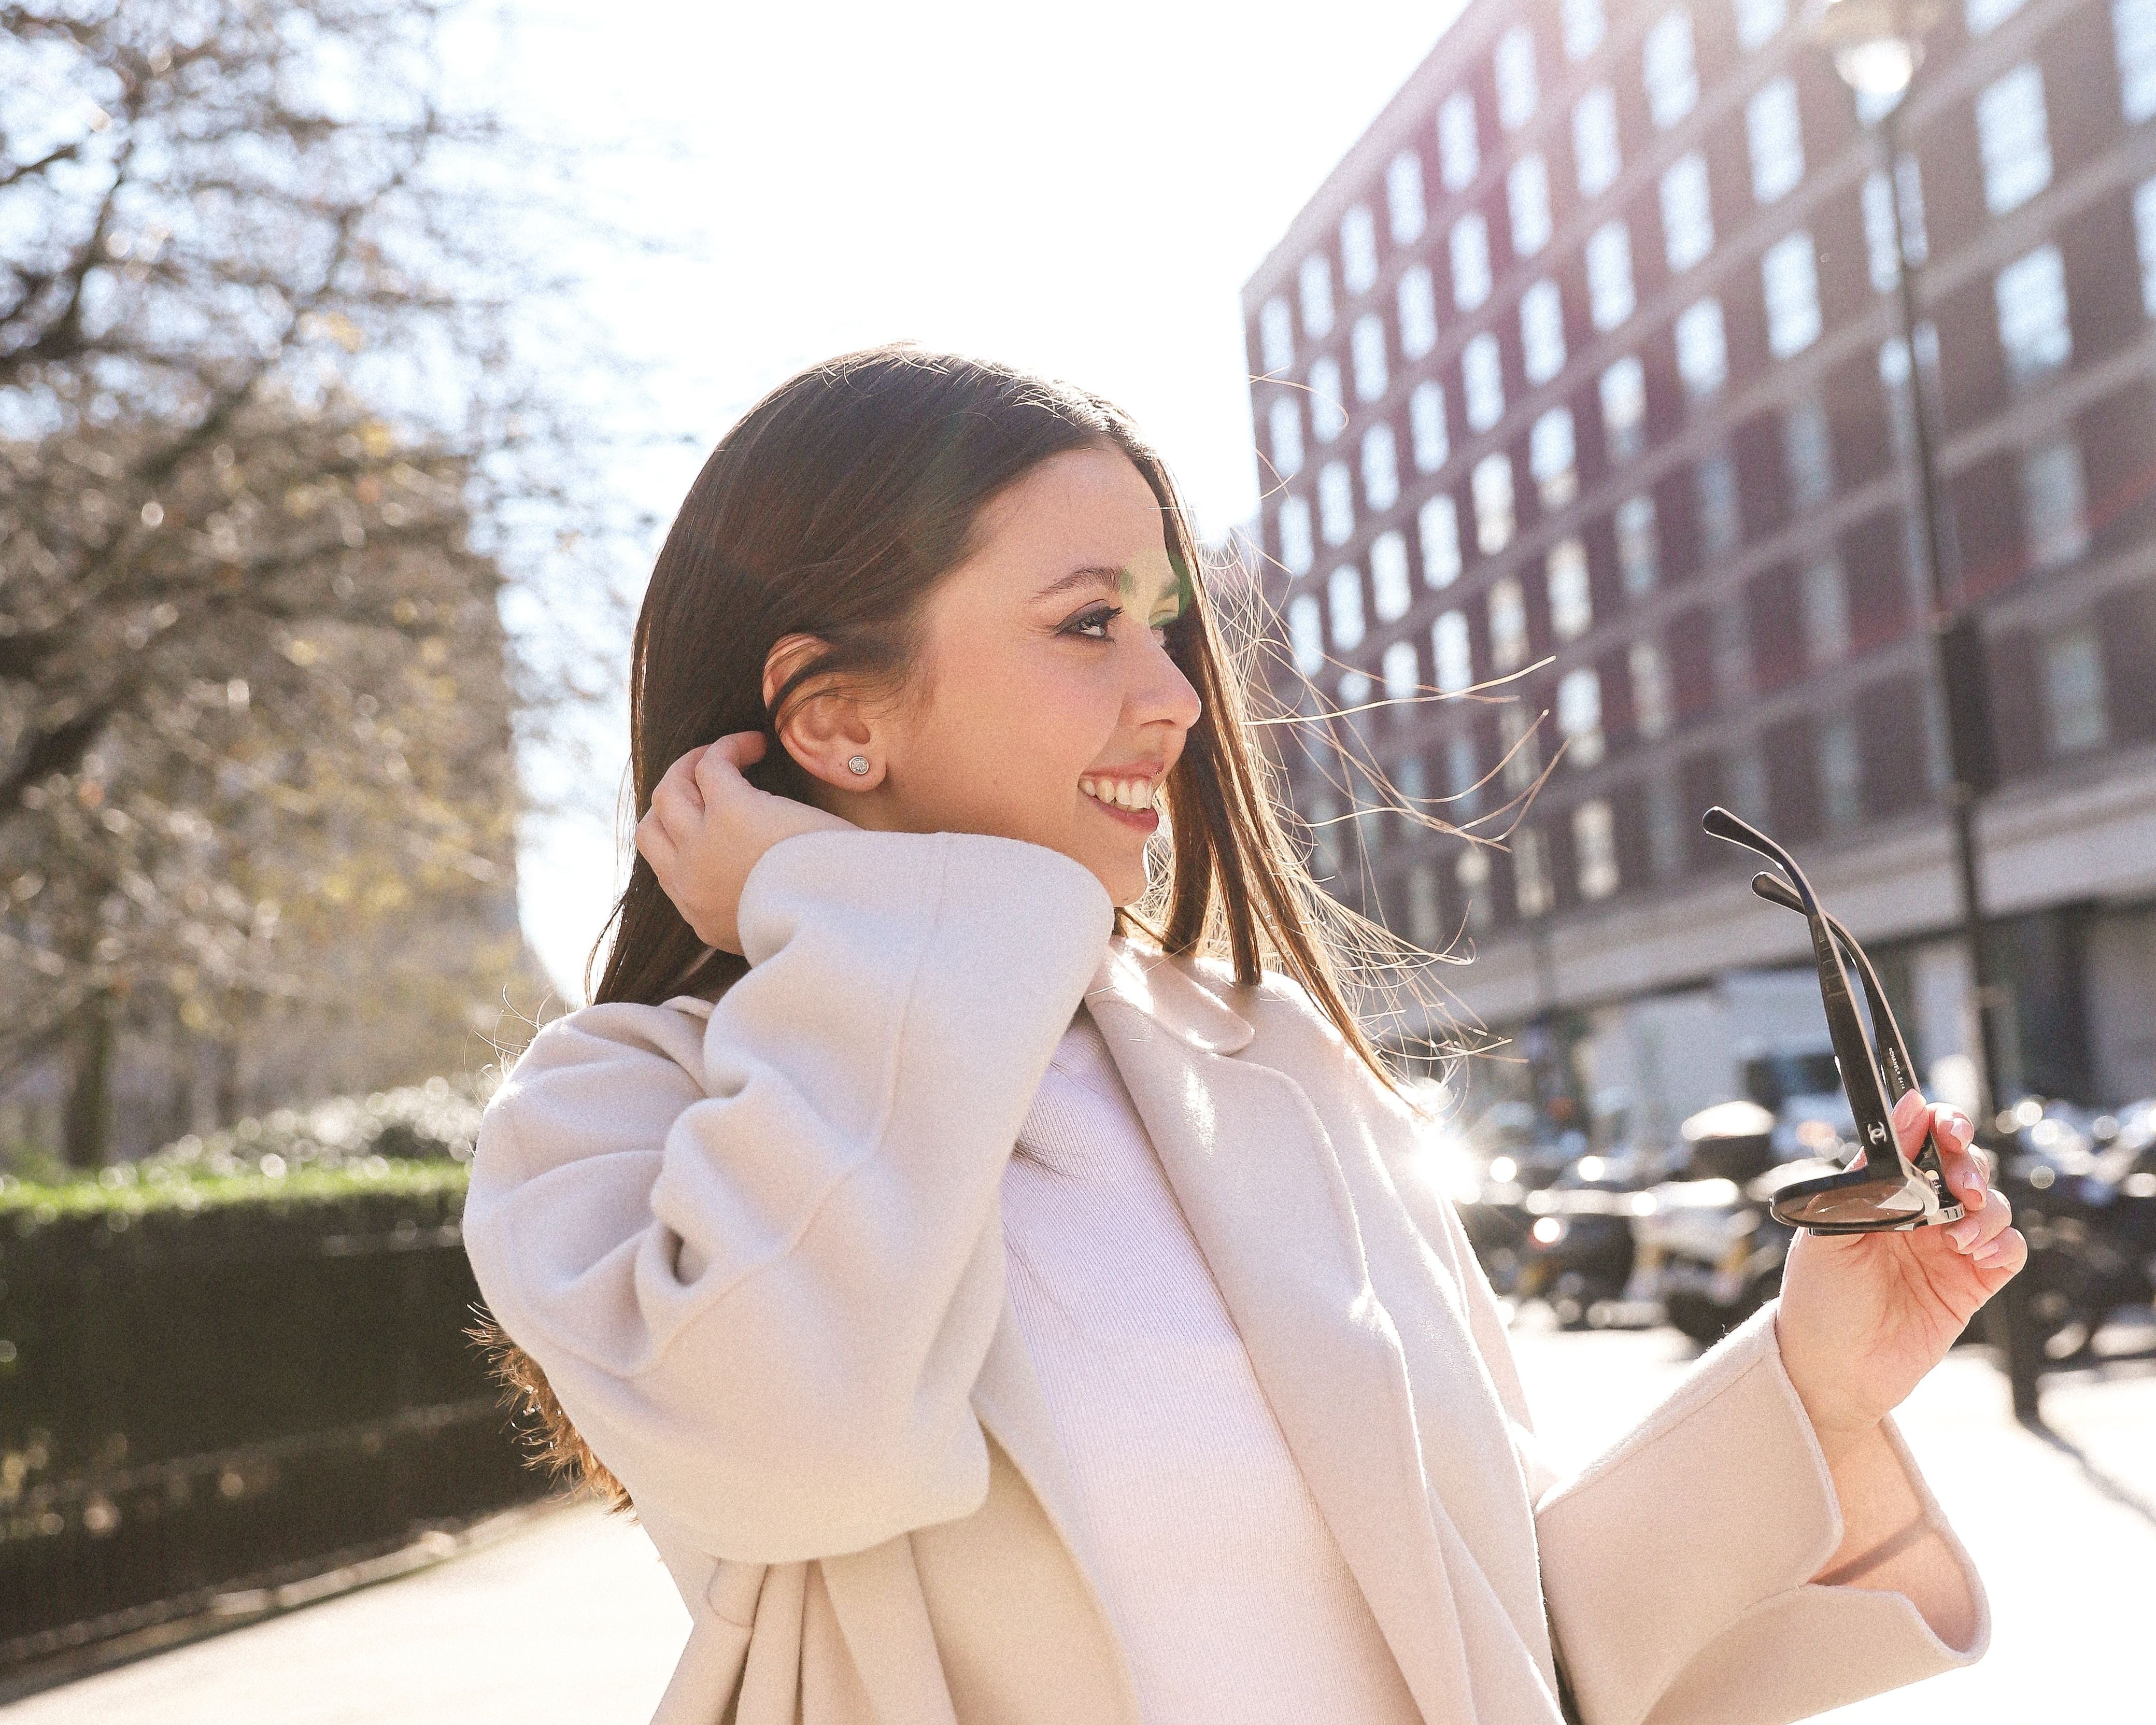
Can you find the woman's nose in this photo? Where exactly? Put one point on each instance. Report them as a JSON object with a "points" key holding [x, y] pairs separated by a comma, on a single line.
{"points": [[1166, 695]]}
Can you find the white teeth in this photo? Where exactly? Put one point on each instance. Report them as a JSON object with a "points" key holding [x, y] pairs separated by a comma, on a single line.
{"points": [[1122, 792]]}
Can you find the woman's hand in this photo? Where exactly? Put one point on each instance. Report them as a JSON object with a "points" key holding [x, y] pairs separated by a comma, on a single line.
{"points": [[1863, 1317], [708, 827]]}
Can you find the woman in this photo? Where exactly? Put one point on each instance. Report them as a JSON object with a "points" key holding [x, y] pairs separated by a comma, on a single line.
{"points": [[1004, 1301]]}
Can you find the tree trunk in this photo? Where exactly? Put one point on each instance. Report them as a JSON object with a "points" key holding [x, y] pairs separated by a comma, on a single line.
{"points": [[86, 1125]]}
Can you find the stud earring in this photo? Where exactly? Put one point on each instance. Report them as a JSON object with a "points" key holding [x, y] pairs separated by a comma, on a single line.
{"points": [[858, 765]]}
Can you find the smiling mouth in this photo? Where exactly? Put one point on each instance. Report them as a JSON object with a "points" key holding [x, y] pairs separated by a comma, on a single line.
{"points": [[1128, 800]]}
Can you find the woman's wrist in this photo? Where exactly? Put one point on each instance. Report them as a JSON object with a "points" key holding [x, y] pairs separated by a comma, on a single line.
{"points": [[1839, 1430]]}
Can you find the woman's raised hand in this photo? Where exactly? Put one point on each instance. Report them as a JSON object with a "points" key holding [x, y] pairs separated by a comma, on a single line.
{"points": [[708, 827], [1863, 1317]]}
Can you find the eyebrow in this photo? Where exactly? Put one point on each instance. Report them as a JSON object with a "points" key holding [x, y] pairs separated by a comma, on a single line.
{"points": [[1097, 574]]}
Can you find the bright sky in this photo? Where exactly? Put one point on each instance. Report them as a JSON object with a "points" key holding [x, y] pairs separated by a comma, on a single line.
{"points": [[1082, 193]]}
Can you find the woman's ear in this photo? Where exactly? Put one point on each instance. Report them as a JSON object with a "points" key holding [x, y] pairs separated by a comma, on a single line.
{"points": [[826, 726]]}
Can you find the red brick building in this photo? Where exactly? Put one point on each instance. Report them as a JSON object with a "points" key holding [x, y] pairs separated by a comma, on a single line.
{"points": [[1583, 369]]}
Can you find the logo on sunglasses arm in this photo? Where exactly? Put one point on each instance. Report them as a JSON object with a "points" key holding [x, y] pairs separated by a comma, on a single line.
{"points": [[1875, 1132]]}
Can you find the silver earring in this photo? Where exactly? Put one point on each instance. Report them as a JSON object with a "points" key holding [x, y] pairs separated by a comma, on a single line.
{"points": [[858, 765]]}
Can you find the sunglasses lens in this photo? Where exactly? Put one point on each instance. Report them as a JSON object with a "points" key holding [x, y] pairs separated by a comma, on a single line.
{"points": [[1860, 1201]]}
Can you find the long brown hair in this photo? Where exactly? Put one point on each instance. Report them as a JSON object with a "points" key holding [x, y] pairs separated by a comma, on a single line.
{"points": [[832, 509]]}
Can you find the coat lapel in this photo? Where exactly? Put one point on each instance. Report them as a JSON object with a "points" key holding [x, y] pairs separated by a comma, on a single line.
{"points": [[1250, 1163]]}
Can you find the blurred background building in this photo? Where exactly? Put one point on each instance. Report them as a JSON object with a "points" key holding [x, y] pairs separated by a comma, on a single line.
{"points": [[1583, 370]]}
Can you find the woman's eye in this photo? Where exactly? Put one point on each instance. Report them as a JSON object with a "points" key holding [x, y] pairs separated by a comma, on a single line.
{"points": [[1099, 617]]}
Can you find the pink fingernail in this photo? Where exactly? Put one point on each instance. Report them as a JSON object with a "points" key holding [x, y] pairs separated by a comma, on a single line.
{"points": [[1908, 1108]]}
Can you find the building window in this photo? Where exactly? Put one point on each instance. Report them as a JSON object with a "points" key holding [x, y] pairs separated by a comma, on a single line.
{"points": [[1552, 459], [1402, 675], [1594, 149], [1672, 81], [2133, 30], [1426, 922], [1703, 352], [1758, 21], [1381, 469], [1651, 690], [1471, 262], [2074, 692], [1367, 347], [1296, 551], [1287, 437], [1688, 212], [1721, 520], [1572, 601], [2054, 503], [1609, 297], [1531, 884], [2144, 241], [1472, 871], [1841, 771], [1825, 604], [1583, 26], [1982, 16], [1418, 302], [1404, 199], [1519, 747], [1879, 231], [1595, 849], [1305, 634], [1624, 391], [2013, 139], [1426, 427], [1492, 483], [1789, 273], [1542, 332], [1276, 336], [1316, 282], [1358, 250], [1459, 142], [1390, 593], [1776, 133], [1451, 655], [1328, 409], [1730, 631], [1528, 198], [1336, 504], [1638, 545], [1343, 596], [1482, 380], [1670, 827], [2032, 315], [1508, 625], [1747, 786], [1515, 68], [1579, 715], [1807, 453], [1437, 527], [1324, 815]]}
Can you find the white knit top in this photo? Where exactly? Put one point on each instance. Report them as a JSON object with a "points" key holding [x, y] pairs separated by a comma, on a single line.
{"points": [[1231, 1598]]}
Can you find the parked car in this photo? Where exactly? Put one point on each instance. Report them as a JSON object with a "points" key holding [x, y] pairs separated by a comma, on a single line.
{"points": [[1705, 1247], [1579, 1244]]}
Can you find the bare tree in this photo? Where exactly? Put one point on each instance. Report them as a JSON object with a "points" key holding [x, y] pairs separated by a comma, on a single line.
{"points": [[271, 444]]}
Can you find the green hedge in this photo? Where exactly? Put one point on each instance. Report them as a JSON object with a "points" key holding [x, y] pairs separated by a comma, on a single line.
{"points": [[237, 1361]]}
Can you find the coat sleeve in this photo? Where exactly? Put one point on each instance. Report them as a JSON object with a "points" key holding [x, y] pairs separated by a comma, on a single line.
{"points": [[762, 1268], [1678, 1567]]}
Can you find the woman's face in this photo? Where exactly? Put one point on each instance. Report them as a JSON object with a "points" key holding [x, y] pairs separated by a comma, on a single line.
{"points": [[1046, 707]]}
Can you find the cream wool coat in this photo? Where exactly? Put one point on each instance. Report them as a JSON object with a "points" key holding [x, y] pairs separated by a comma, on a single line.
{"points": [[757, 1247]]}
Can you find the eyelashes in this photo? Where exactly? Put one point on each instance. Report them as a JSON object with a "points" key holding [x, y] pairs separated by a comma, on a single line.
{"points": [[1099, 617]]}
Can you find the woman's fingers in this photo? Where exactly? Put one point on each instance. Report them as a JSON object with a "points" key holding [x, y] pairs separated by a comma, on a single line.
{"points": [[716, 768], [2003, 1257]]}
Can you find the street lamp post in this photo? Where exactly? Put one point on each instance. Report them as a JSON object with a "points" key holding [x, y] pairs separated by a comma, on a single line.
{"points": [[1878, 46]]}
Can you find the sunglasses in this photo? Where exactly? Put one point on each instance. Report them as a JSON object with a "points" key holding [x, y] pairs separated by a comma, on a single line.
{"points": [[1890, 1191]]}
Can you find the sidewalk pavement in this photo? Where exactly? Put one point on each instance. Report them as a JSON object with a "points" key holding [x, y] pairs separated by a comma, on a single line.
{"points": [[568, 1617]]}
